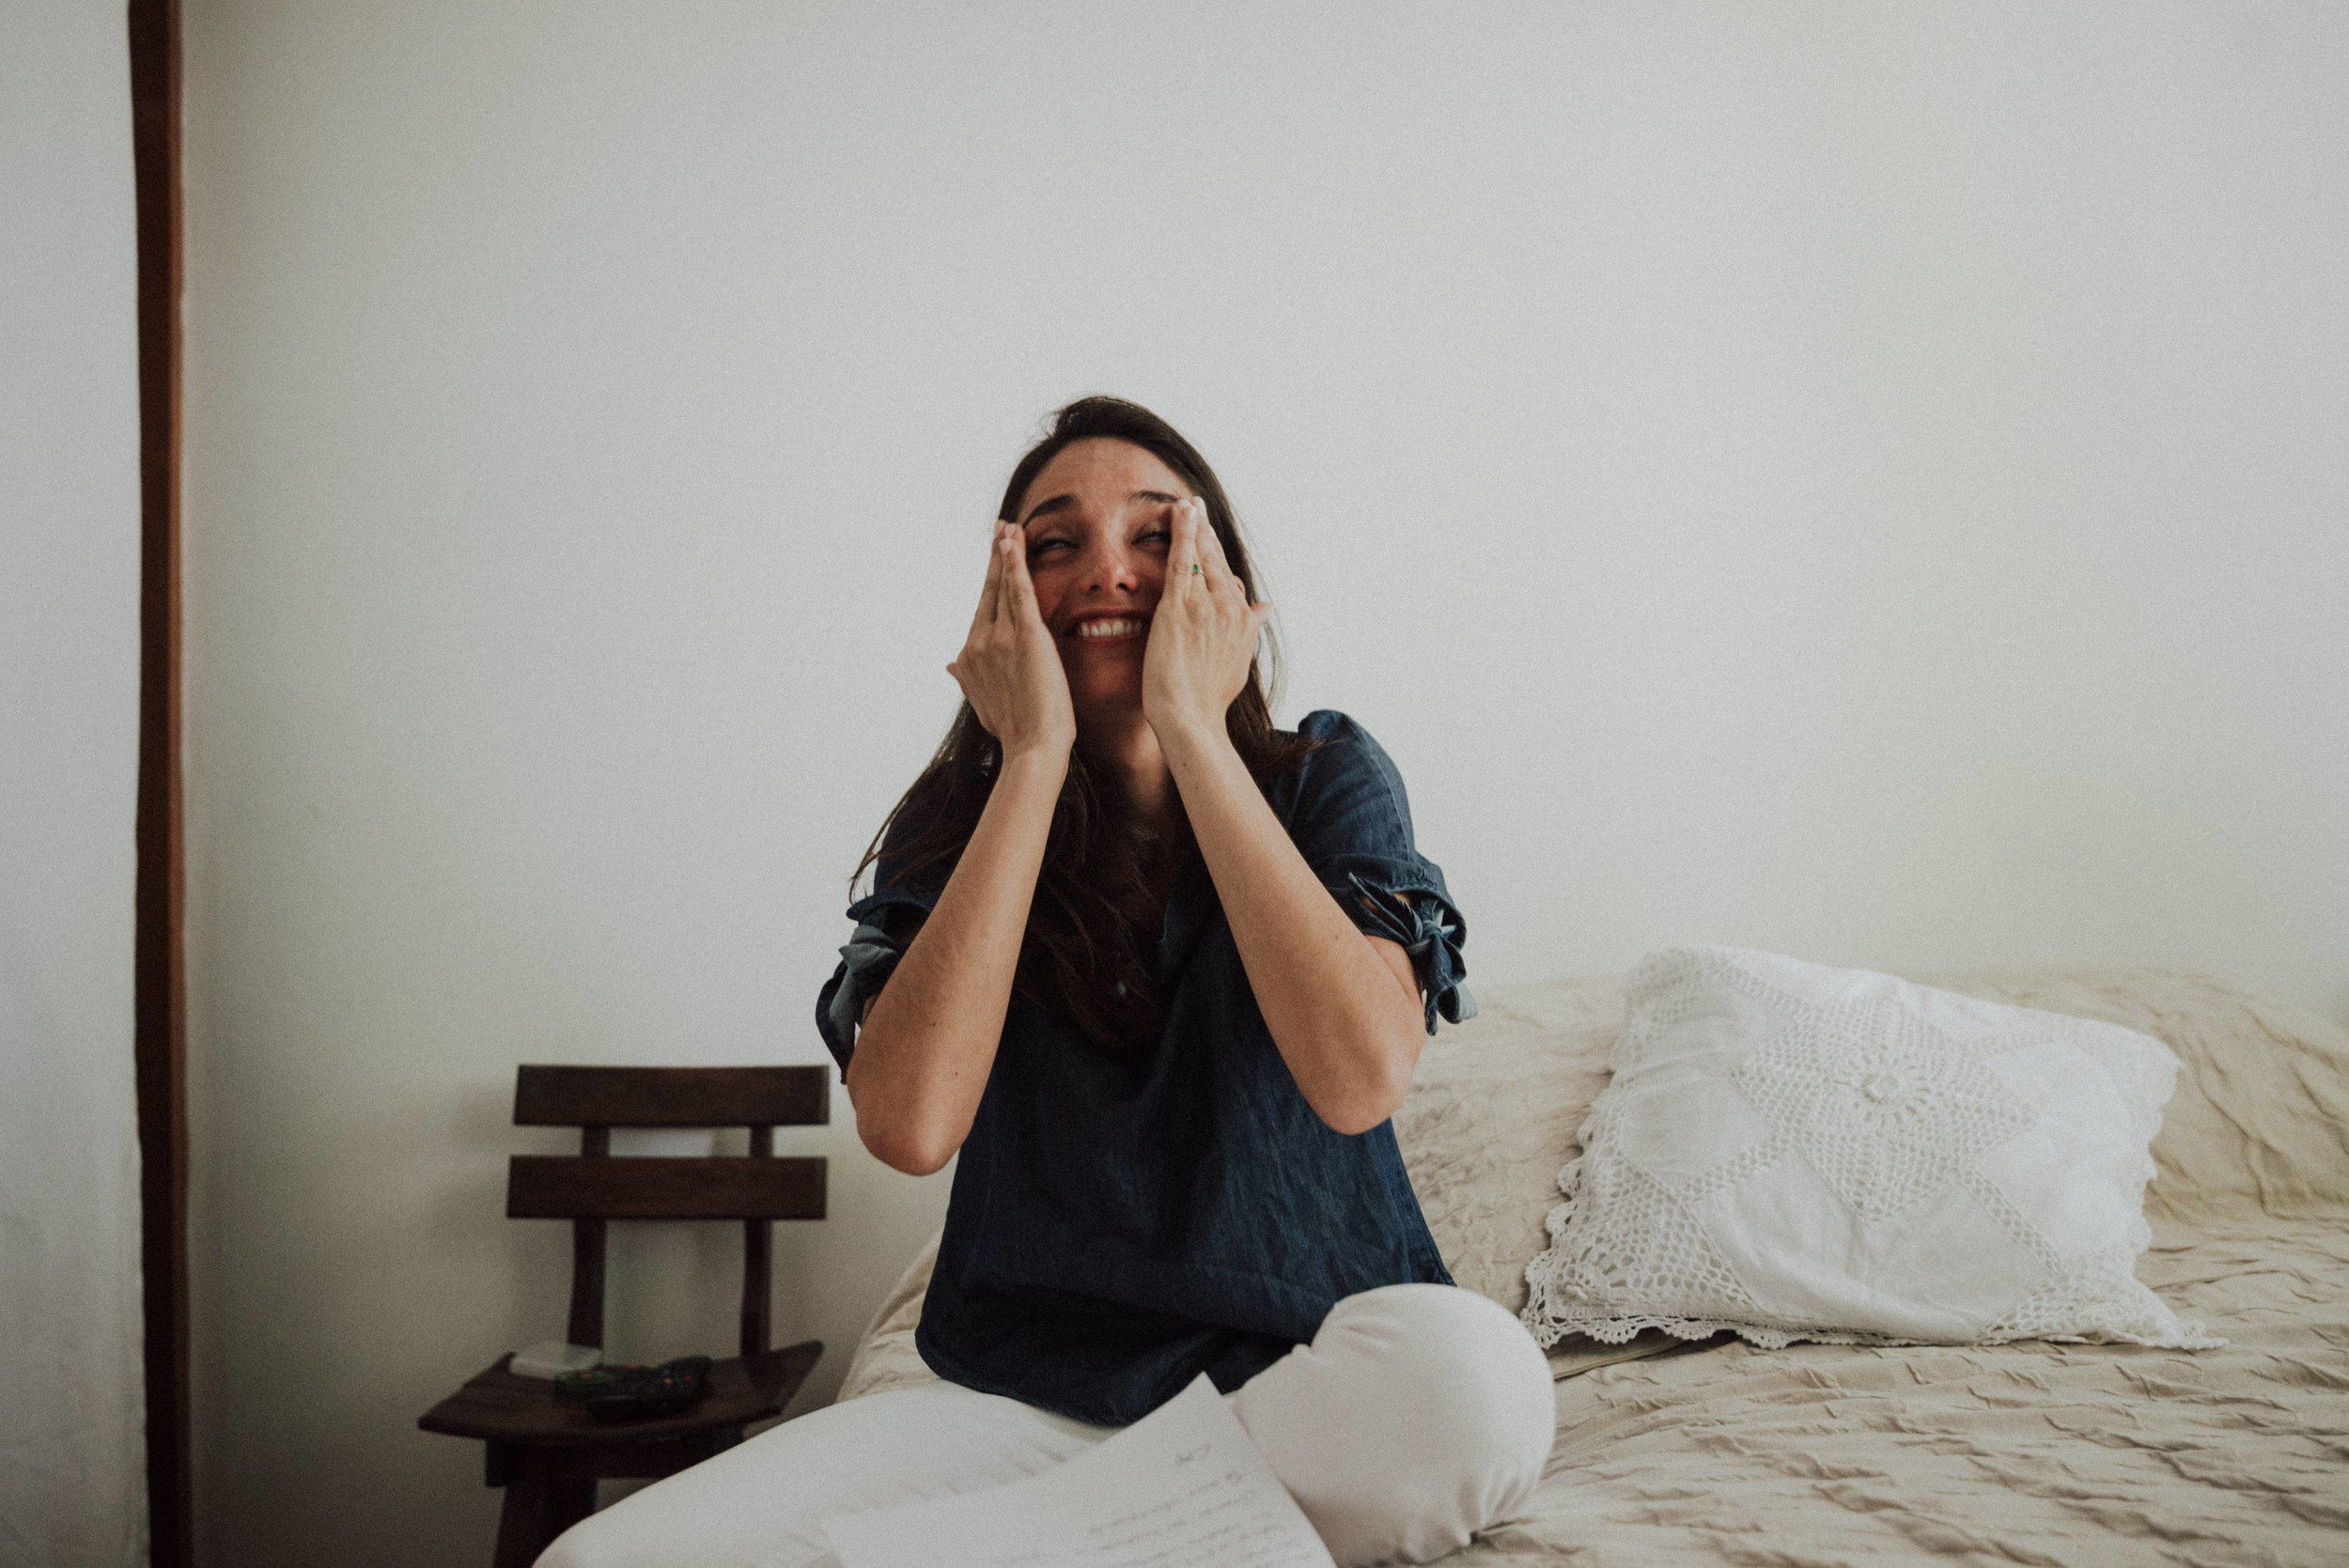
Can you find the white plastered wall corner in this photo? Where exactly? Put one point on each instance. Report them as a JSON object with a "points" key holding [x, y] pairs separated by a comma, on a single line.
{"points": [[72, 1453]]}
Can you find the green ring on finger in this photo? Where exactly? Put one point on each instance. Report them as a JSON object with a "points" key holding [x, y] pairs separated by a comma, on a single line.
{"points": [[1194, 569]]}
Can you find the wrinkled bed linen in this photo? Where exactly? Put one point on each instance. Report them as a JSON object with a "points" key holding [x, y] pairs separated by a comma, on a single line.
{"points": [[1720, 1454], [2021, 1454]]}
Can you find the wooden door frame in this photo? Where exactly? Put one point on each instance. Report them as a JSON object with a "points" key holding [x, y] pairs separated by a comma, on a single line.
{"points": [[159, 979]]}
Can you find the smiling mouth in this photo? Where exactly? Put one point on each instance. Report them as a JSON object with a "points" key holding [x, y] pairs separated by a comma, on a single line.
{"points": [[1110, 628]]}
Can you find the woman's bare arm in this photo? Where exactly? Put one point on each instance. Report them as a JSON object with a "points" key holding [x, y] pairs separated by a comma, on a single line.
{"points": [[928, 1039], [1343, 1006]]}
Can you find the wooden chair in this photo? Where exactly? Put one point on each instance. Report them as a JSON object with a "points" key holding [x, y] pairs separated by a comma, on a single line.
{"points": [[545, 1450]]}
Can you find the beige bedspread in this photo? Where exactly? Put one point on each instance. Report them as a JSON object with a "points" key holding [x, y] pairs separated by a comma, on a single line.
{"points": [[1718, 1453]]}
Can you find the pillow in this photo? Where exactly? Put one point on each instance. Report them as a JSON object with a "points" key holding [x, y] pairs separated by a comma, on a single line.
{"points": [[1792, 1152], [2259, 1128]]}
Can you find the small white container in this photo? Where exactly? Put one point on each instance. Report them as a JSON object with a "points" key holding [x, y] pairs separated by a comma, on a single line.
{"points": [[552, 1358]]}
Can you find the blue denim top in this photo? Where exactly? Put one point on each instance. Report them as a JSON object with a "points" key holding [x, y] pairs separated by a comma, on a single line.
{"points": [[1117, 1227]]}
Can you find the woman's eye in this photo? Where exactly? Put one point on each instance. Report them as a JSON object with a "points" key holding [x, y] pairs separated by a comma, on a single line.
{"points": [[1161, 535], [1042, 545]]}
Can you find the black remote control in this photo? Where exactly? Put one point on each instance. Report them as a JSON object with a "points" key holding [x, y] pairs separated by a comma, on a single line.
{"points": [[642, 1393]]}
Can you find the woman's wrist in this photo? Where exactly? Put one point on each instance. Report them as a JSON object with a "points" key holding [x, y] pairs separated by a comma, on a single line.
{"points": [[1044, 764], [1192, 739]]}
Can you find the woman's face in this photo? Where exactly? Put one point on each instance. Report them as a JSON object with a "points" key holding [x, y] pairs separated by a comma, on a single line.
{"points": [[1098, 518]]}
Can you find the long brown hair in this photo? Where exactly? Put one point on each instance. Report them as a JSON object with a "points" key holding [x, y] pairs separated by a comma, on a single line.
{"points": [[1083, 957]]}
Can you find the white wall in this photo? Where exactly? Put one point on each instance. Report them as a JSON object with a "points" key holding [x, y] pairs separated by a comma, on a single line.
{"points": [[72, 1446], [1864, 482]]}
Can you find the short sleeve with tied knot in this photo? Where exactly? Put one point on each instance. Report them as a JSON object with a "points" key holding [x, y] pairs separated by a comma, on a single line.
{"points": [[1118, 1226]]}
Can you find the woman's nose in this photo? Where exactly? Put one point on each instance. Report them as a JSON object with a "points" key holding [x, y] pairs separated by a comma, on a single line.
{"points": [[1109, 567]]}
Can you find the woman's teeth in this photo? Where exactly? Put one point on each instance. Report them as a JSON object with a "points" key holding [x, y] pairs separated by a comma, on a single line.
{"points": [[1108, 628]]}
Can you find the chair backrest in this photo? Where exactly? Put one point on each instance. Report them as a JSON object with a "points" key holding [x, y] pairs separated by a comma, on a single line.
{"points": [[591, 1187]]}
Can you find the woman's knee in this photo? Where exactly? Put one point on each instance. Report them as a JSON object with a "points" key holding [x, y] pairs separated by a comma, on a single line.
{"points": [[1418, 1415], [1459, 1361]]}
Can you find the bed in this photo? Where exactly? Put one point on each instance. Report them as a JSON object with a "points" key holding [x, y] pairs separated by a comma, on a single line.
{"points": [[1716, 1452]]}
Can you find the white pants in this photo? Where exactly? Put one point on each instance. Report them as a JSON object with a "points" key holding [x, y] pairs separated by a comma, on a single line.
{"points": [[1418, 1415]]}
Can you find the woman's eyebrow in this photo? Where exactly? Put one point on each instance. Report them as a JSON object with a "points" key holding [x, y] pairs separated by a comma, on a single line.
{"points": [[1058, 504], [1063, 503]]}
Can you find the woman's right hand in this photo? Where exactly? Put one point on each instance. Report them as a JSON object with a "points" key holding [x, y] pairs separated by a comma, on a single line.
{"points": [[1009, 667], [924, 1056]]}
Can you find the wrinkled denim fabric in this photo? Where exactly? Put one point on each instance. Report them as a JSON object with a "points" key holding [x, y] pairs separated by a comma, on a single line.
{"points": [[1117, 1227]]}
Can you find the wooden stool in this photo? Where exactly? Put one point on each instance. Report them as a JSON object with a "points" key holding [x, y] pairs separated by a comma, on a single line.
{"points": [[544, 1448]]}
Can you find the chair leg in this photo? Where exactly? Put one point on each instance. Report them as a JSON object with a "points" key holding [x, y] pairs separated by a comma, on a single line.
{"points": [[539, 1506]]}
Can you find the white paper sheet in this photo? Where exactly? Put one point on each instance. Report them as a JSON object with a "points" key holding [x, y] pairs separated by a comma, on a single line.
{"points": [[1181, 1489]]}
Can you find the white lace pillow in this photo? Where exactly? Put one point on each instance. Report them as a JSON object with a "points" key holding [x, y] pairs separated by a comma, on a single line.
{"points": [[1799, 1152]]}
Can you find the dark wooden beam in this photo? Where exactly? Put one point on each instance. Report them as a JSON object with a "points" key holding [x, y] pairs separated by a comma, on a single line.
{"points": [[758, 1269], [568, 1186], [159, 984], [587, 1246], [550, 1096]]}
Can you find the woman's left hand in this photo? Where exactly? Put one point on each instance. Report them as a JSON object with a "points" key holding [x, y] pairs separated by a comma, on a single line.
{"points": [[1203, 634]]}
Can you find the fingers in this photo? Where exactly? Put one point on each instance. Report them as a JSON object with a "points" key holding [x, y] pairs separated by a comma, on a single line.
{"points": [[987, 591], [1018, 587], [1182, 553], [1008, 563], [1197, 565], [1219, 568], [1206, 552]]}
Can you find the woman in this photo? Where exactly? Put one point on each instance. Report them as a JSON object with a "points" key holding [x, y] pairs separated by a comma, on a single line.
{"points": [[1159, 972]]}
